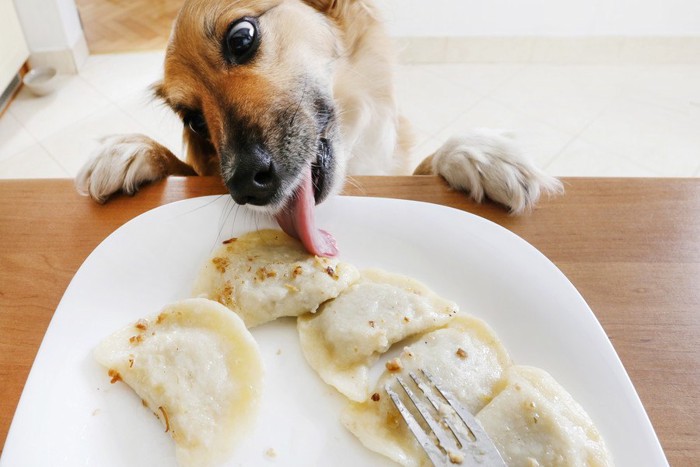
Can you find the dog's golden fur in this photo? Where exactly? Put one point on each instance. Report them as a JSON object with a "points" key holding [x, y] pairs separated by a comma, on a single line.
{"points": [[332, 55]]}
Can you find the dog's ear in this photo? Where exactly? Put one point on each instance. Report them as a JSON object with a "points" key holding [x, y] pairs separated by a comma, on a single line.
{"points": [[157, 90], [200, 154], [332, 8]]}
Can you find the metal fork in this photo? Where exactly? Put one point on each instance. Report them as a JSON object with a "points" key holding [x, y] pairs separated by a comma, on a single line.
{"points": [[454, 436]]}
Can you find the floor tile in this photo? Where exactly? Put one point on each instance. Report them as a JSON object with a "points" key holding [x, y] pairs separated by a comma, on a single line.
{"points": [[13, 137], [33, 162], [117, 76], [538, 139], [581, 159], [42, 116], [72, 146], [670, 86], [593, 120], [481, 78], [430, 102], [664, 140], [567, 97]]}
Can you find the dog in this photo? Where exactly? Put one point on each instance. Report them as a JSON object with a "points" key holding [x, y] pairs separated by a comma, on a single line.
{"points": [[285, 98]]}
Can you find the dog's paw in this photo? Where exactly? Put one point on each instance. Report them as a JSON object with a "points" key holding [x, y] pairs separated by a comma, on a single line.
{"points": [[488, 163], [122, 163]]}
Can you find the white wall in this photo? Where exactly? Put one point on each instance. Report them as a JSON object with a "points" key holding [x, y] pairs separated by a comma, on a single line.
{"points": [[70, 19], [542, 17], [53, 32], [13, 47], [49, 24]]}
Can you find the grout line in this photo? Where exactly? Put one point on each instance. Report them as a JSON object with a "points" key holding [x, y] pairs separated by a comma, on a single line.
{"points": [[586, 126], [461, 114], [520, 70], [7, 175], [62, 127], [430, 68], [56, 160], [33, 138], [640, 163]]}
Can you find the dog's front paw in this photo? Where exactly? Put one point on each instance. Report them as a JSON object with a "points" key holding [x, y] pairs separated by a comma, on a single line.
{"points": [[122, 162], [488, 163]]}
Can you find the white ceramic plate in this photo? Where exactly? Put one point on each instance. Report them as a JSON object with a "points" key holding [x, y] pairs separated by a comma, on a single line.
{"points": [[69, 414]]}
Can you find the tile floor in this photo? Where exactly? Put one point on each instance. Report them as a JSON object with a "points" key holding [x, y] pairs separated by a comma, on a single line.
{"points": [[575, 120]]}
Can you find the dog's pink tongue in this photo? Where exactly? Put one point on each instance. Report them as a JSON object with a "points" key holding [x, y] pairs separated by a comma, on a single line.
{"points": [[297, 220]]}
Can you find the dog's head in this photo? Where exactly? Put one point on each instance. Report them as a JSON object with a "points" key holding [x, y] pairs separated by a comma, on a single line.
{"points": [[252, 81]]}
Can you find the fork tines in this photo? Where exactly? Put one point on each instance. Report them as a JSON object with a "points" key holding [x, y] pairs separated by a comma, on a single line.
{"points": [[448, 433]]}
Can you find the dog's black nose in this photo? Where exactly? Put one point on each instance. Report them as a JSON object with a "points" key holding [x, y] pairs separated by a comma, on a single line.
{"points": [[255, 179]]}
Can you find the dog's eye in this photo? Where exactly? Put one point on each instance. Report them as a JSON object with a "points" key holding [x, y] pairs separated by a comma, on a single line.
{"points": [[242, 40], [195, 121]]}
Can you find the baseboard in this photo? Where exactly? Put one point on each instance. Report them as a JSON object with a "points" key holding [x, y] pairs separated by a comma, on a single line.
{"points": [[66, 61], [594, 50]]}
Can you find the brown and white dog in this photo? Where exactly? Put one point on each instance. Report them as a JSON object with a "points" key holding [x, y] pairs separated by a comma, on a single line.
{"points": [[283, 99]]}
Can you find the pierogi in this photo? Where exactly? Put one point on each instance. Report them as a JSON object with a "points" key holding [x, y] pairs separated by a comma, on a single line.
{"points": [[535, 422], [196, 366], [349, 333], [266, 275], [465, 358]]}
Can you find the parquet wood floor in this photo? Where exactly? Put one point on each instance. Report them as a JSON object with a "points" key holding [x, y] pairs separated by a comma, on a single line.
{"points": [[127, 25]]}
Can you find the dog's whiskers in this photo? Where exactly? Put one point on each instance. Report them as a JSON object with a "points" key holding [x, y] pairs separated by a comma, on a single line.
{"points": [[301, 99], [352, 182], [225, 214]]}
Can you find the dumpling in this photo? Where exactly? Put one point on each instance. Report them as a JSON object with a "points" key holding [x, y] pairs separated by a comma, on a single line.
{"points": [[197, 367], [534, 422], [465, 358], [348, 334], [265, 275]]}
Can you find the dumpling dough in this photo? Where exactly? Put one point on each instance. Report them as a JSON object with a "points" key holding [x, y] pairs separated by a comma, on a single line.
{"points": [[197, 367], [535, 422], [265, 275], [349, 333], [465, 358]]}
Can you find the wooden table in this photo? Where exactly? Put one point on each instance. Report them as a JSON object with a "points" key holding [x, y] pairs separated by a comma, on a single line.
{"points": [[630, 246]]}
